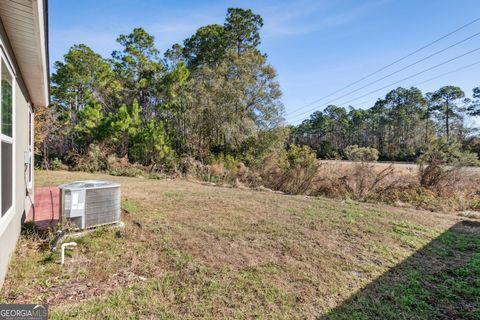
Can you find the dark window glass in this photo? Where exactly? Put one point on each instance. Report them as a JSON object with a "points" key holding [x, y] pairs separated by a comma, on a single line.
{"points": [[7, 176], [6, 146], [6, 107]]}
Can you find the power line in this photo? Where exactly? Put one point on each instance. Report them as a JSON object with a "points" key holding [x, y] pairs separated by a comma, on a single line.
{"points": [[396, 82], [414, 75], [447, 73], [391, 64], [399, 70], [369, 101]]}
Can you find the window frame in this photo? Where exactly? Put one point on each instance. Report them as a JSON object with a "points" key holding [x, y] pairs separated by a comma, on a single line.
{"points": [[7, 217]]}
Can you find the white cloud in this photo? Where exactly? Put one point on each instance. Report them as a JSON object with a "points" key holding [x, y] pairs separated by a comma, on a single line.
{"points": [[307, 16], [281, 19]]}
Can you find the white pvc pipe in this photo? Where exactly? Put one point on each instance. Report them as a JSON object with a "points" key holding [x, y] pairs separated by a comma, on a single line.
{"points": [[68, 244]]}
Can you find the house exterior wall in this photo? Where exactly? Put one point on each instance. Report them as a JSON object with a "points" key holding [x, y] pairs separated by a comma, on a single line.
{"points": [[10, 225]]}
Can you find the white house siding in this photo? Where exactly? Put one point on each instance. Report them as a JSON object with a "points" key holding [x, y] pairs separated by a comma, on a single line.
{"points": [[11, 231], [24, 47]]}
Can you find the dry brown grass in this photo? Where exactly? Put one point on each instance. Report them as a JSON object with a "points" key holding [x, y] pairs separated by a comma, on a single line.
{"points": [[457, 189], [202, 251]]}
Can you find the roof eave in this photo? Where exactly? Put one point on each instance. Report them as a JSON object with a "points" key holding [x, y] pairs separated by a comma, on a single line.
{"points": [[41, 18]]}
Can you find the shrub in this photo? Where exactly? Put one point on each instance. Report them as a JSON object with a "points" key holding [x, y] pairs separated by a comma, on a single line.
{"points": [[364, 181], [132, 171], [441, 164], [55, 164], [301, 156], [326, 151], [362, 154], [93, 161], [291, 171], [230, 162], [189, 167], [151, 147], [114, 162], [216, 170]]}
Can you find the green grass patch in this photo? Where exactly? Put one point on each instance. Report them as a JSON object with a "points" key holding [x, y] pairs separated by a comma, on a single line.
{"points": [[130, 206], [442, 280]]}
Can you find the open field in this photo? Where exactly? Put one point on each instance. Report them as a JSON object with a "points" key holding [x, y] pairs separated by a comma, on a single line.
{"points": [[198, 251], [396, 164]]}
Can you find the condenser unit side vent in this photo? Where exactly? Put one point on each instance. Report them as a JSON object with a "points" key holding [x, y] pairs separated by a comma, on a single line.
{"points": [[102, 206]]}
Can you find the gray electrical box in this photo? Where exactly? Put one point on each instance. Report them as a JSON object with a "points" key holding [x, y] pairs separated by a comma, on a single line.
{"points": [[90, 203]]}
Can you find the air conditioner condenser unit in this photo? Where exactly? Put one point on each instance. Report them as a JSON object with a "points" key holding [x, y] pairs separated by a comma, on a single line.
{"points": [[91, 203]]}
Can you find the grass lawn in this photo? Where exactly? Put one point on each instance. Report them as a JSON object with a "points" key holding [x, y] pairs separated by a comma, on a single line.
{"points": [[191, 250]]}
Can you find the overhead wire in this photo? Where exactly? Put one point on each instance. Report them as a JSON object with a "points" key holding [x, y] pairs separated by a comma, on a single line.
{"points": [[370, 101], [391, 64], [396, 82], [401, 69]]}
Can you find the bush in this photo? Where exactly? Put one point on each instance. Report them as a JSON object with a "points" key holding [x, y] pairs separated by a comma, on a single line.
{"points": [[151, 148], [55, 164], [291, 171], [441, 164], [189, 167], [362, 154], [216, 172], [302, 156], [364, 181], [230, 162], [93, 161], [132, 171], [114, 162], [327, 151]]}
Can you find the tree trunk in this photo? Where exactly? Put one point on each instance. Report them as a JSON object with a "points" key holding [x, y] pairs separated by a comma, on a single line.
{"points": [[447, 120], [426, 131]]}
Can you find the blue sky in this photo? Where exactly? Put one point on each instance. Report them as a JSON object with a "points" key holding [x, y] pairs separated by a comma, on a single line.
{"points": [[317, 47]]}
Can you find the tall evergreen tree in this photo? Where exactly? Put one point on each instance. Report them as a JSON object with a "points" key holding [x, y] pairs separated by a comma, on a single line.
{"points": [[474, 108], [447, 105], [139, 68], [243, 29]]}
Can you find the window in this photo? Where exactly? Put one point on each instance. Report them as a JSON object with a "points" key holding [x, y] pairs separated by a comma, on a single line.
{"points": [[6, 138]]}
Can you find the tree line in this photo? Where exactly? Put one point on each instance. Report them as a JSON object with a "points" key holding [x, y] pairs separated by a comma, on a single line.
{"points": [[215, 96], [399, 126], [211, 96]]}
